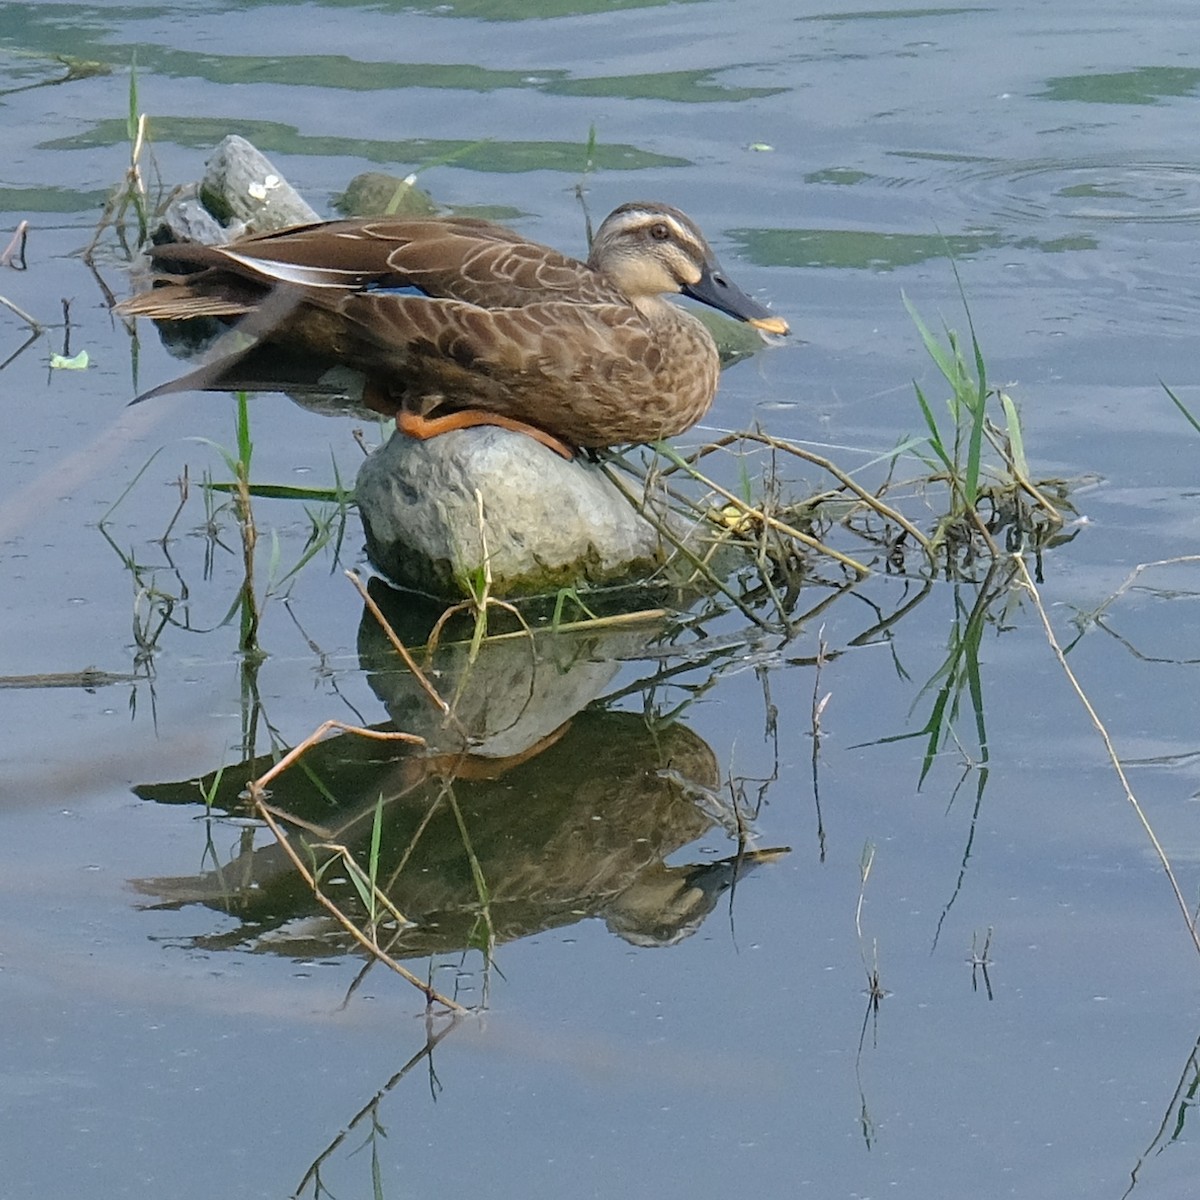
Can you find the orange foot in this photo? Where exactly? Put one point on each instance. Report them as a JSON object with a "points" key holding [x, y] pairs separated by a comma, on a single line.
{"points": [[423, 428]]}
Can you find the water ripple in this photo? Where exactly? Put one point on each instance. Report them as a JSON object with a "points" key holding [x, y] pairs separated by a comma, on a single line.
{"points": [[1085, 190]]}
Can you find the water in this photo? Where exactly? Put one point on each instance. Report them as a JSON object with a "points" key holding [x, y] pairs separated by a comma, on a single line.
{"points": [[648, 1030]]}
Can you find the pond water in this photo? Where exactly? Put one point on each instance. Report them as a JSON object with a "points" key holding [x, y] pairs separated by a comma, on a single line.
{"points": [[658, 1018]]}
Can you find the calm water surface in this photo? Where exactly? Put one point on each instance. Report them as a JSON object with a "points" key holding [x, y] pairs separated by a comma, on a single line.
{"points": [[647, 1031]]}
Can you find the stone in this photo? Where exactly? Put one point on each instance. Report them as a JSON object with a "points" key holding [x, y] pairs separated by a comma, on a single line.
{"points": [[185, 219], [548, 523], [376, 193], [240, 184]]}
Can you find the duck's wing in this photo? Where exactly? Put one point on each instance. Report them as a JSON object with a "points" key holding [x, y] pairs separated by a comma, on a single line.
{"points": [[444, 346], [464, 259]]}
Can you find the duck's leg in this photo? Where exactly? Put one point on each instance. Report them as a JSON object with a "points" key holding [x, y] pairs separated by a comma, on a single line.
{"points": [[422, 428]]}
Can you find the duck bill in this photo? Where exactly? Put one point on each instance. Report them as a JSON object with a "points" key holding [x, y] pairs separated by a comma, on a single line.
{"points": [[714, 288]]}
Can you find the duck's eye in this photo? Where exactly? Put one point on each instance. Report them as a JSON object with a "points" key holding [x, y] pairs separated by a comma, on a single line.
{"points": [[659, 232]]}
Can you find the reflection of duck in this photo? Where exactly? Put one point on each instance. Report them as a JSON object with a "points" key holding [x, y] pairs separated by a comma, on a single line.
{"points": [[582, 830], [454, 322]]}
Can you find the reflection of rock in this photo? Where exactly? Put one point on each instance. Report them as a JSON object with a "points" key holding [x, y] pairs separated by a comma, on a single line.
{"points": [[582, 830], [519, 691]]}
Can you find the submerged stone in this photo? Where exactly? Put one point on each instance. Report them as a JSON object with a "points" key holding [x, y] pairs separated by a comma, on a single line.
{"points": [[376, 194]]}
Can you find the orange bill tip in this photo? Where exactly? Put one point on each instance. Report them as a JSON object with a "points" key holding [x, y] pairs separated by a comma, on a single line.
{"points": [[771, 324]]}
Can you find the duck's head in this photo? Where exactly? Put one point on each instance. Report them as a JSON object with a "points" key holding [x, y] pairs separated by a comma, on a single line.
{"points": [[649, 249]]}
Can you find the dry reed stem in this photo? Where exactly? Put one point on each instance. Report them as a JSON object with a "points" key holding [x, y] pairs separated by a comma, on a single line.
{"points": [[641, 617], [432, 996], [135, 156], [381, 897], [432, 1040], [1132, 578], [825, 464], [1026, 485], [379, 735], [399, 646], [15, 250], [32, 322], [757, 514], [677, 543], [1027, 582]]}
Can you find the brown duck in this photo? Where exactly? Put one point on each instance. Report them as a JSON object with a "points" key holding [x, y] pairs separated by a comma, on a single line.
{"points": [[453, 322]]}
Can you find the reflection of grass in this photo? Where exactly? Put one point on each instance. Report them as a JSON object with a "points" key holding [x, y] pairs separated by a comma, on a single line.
{"points": [[313, 871], [156, 609], [958, 675]]}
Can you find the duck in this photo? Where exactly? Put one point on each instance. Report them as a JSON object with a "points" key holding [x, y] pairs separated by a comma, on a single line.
{"points": [[454, 322]]}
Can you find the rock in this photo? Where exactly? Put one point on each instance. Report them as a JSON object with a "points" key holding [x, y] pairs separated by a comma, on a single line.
{"points": [[376, 194], [240, 184], [549, 523], [185, 219]]}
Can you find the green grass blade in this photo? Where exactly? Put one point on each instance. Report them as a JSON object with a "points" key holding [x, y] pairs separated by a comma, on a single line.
{"points": [[376, 839], [131, 120], [230, 461], [1016, 440], [284, 491], [935, 437], [1179, 404], [933, 347], [244, 444]]}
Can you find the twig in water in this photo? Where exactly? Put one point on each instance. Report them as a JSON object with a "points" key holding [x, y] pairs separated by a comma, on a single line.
{"points": [[875, 991], [66, 312], [818, 708], [372, 947], [381, 735], [257, 792], [14, 253], [399, 646], [32, 322], [1025, 579], [664, 531], [757, 514], [980, 961]]}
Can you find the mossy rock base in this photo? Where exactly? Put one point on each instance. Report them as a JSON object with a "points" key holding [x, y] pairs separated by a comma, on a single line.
{"points": [[547, 523]]}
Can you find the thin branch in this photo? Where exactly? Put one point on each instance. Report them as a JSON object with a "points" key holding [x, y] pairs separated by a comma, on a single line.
{"points": [[381, 735], [1026, 580], [14, 253], [32, 322], [372, 947], [399, 646]]}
